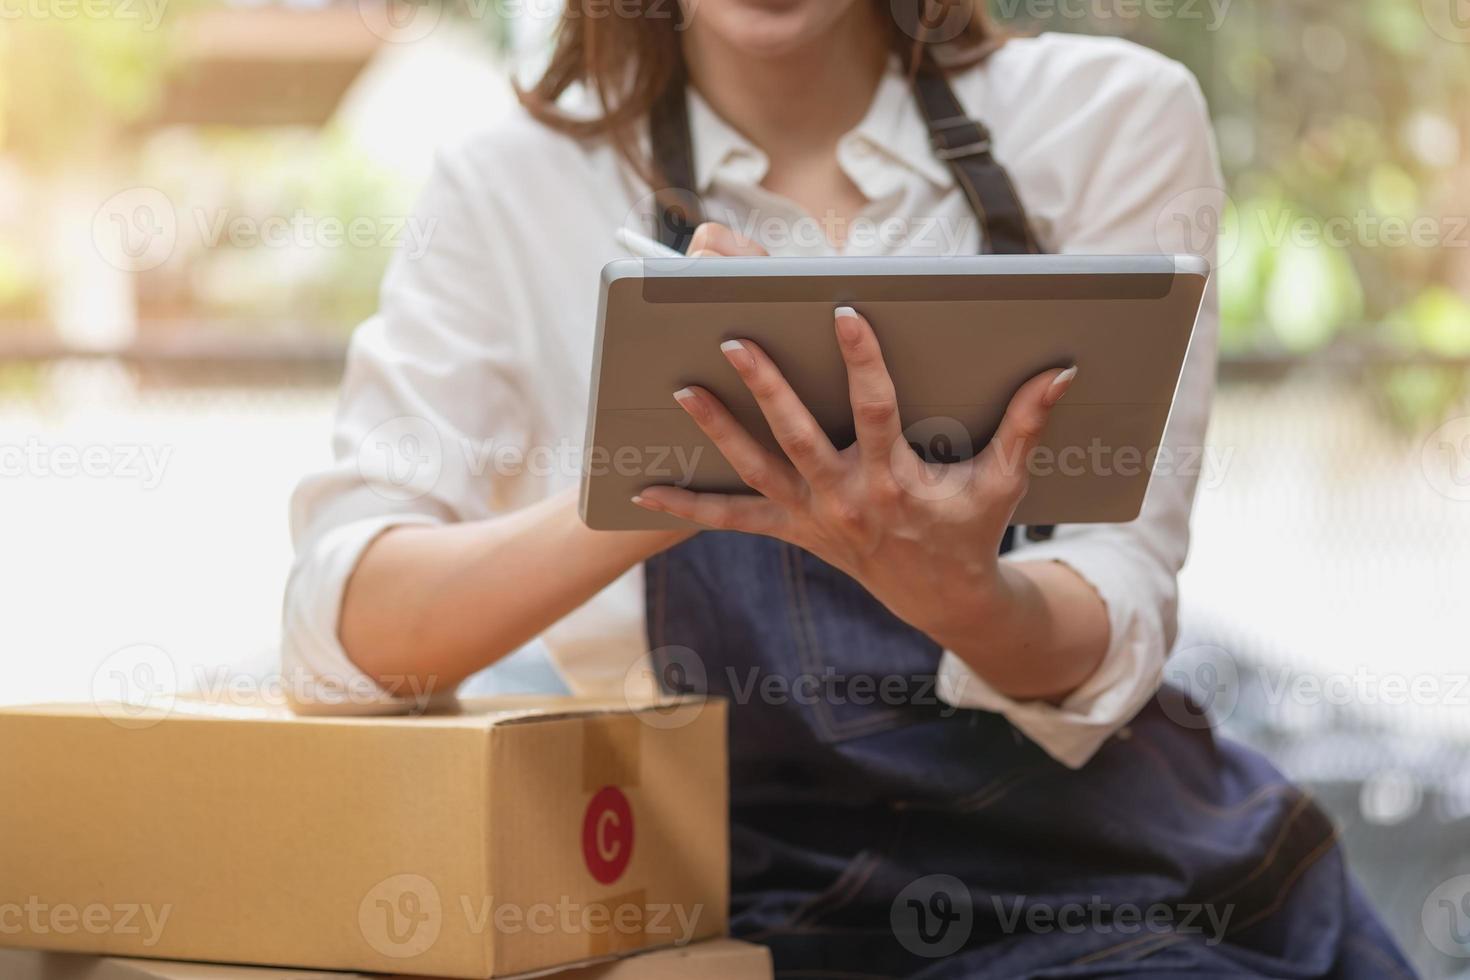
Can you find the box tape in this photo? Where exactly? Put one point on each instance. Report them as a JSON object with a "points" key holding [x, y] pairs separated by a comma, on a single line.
{"points": [[626, 916], [612, 749]]}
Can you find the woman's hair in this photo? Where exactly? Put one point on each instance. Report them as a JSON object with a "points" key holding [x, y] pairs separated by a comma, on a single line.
{"points": [[627, 57]]}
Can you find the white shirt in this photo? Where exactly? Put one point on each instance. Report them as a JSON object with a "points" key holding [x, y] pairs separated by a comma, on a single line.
{"points": [[466, 395]]}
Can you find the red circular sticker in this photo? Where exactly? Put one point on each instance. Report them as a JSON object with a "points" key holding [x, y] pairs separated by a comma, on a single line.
{"points": [[607, 834]]}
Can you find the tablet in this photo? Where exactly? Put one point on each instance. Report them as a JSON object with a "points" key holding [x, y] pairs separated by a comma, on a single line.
{"points": [[959, 334]]}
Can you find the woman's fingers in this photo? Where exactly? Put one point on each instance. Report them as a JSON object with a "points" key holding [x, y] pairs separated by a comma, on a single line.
{"points": [[762, 470], [722, 511], [869, 387], [716, 239], [798, 434], [1005, 459]]}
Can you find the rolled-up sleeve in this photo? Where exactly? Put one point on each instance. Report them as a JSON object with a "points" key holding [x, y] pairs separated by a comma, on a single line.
{"points": [[1155, 188], [435, 365]]}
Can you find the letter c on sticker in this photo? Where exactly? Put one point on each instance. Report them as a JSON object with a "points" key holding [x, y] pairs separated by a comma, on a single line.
{"points": [[607, 835], [605, 850]]}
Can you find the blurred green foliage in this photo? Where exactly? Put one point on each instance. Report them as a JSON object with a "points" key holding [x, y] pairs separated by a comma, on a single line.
{"points": [[20, 280], [299, 189], [79, 81], [1342, 130], [73, 72]]}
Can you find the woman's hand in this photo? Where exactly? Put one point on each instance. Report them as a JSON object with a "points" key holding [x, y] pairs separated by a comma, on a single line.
{"points": [[711, 239], [923, 538]]}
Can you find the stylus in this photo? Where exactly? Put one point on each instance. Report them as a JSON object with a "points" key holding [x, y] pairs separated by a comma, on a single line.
{"points": [[643, 247]]}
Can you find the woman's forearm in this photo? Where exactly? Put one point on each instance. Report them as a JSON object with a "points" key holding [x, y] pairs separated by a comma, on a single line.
{"points": [[429, 606], [1043, 641]]}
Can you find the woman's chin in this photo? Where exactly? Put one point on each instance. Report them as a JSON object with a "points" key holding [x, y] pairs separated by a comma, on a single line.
{"points": [[764, 30]]}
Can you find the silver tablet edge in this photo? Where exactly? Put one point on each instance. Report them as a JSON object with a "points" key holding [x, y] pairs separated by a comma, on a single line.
{"points": [[1185, 265], [722, 267]]}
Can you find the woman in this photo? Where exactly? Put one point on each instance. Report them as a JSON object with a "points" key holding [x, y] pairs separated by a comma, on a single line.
{"points": [[1020, 799]]}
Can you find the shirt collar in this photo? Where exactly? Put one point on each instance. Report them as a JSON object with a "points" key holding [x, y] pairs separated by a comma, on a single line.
{"points": [[720, 148], [893, 126]]}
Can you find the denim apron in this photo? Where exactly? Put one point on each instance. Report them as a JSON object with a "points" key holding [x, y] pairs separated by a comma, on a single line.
{"points": [[877, 832]]}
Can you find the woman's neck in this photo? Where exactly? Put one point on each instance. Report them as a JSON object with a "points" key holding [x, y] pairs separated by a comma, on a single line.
{"points": [[803, 100]]}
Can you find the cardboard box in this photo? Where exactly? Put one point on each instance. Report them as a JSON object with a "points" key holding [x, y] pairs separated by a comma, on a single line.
{"points": [[512, 835], [714, 959]]}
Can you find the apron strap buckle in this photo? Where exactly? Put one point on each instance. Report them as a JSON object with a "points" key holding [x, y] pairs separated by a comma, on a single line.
{"points": [[975, 149], [972, 137]]}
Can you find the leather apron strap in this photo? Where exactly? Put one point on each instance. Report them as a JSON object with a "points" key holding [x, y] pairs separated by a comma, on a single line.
{"points": [[964, 145], [679, 210]]}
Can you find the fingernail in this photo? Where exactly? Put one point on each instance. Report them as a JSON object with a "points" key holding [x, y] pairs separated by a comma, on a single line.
{"points": [[645, 502], [1059, 386], [738, 355], [690, 401], [847, 324]]}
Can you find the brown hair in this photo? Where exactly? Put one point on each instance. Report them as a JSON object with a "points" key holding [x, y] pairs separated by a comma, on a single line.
{"points": [[628, 57]]}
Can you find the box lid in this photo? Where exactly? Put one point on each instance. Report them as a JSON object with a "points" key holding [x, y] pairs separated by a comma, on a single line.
{"points": [[474, 713]]}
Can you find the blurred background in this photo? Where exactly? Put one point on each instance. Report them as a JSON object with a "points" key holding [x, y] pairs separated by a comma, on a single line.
{"points": [[197, 200]]}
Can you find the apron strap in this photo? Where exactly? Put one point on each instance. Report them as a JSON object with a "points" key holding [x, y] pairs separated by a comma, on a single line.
{"points": [[964, 145], [679, 211]]}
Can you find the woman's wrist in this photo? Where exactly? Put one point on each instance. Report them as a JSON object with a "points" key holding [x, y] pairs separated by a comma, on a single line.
{"points": [[980, 611], [634, 547], [1036, 634]]}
